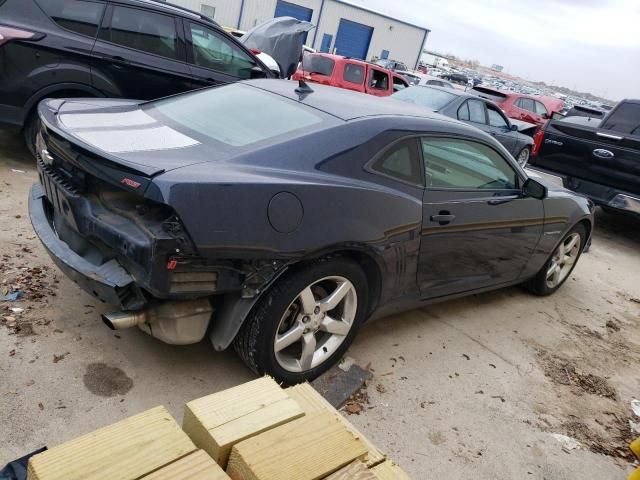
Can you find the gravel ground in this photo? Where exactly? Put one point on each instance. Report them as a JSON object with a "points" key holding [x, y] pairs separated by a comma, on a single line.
{"points": [[502, 385]]}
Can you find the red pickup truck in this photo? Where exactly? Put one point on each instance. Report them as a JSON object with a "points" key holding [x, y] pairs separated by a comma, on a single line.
{"points": [[349, 73]]}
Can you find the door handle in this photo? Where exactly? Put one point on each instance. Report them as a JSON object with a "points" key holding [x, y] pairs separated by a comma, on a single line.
{"points": [[443, 217]]}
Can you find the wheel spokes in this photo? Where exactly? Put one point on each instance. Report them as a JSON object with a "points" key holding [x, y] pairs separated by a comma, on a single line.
{"points": [[288, 338], [332, 301], [308, 350], [572, 243], [337, 327], [307, 300]]}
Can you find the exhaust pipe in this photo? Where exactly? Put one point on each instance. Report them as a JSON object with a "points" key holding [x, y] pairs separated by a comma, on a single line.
{"points": [[173, 322], [122, 320]]}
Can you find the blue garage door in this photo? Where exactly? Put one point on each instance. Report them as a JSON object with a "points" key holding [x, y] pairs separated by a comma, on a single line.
{"points": [[353, 39], [286, 9]]}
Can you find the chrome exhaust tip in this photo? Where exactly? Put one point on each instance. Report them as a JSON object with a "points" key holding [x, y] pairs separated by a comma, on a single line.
{"points": [[122, 320]]}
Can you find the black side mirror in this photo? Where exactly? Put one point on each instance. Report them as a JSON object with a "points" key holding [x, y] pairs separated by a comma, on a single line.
{"points": [[257, 72], [534, 189], [514, 128]]}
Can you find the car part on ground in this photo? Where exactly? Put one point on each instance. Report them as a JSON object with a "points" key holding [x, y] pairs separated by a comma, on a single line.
{"points": [[282, 38], [597, 158], [130, 49], [479, 112], [322, 209]]}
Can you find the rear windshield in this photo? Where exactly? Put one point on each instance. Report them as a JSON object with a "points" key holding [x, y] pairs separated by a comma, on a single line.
{"points": [[425, 97], [317, 64], [494, 95], [236, 115]]}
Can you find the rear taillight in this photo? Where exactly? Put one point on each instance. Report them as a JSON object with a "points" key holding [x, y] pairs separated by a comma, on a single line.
{"points": [[537, 142], [9, 33]]}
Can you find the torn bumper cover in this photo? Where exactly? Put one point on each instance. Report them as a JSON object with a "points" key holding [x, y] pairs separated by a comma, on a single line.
{"points": [[109, 281]]}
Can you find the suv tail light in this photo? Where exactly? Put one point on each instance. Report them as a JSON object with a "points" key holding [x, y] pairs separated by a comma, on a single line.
{"points": [[9, 33], [255, 51], [537, 142]]}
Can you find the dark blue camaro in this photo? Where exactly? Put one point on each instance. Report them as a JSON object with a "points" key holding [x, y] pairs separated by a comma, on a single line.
{"points": [[293, 215]]}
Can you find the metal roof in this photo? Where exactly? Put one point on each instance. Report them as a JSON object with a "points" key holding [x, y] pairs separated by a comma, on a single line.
{"points": [[376, 12]]}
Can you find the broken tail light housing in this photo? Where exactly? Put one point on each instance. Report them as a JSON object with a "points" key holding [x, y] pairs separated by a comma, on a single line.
{"points": [[8, 34], [537, 142]]}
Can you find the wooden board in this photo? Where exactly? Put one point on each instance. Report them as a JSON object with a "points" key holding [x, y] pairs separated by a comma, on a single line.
{"points": [[308, 448], [390, 471], [311, 401], [125, 450], [354, 471], [196, 466], [217, 422]]}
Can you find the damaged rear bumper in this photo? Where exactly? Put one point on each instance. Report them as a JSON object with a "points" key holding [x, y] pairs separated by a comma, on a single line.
{"points": [[109, 282]]}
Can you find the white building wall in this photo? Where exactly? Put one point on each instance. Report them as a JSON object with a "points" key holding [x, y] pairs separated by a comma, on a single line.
{"points": [[404, 42], [259, 11], [226, 14]]}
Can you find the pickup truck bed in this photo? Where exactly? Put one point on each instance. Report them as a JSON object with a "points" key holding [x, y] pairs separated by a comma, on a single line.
{"points": [[598, 158]]}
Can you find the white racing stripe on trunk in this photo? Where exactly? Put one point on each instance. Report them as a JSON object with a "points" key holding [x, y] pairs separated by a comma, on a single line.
{"points": [[136, 140], [105, 120]]}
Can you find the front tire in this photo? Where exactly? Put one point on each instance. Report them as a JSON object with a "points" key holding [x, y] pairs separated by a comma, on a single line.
{"points": [[560, 264], [30, 131], [523, 156], [305, 322]]}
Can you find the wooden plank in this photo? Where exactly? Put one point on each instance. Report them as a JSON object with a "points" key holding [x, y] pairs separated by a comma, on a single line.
{"points": [[125, 450], [354, 471], [308, 448], [390, 471], [196, 466], [311, 401], [217, 422]]}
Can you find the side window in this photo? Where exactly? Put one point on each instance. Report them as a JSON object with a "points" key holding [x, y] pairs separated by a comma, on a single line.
{"points": [[496, 119], [212, 50], [378, 80], [527, 104], [354, 73], [477, 111], [143, 30], [463, 112], [624, 119], [402, 162], [540, 108], [465, 165], [79, 16], [399, 84]]}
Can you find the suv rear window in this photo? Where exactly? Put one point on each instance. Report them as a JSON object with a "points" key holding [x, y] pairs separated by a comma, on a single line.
{"points": [[143, 30], [235, 114], [318, 64], [79, 16]]}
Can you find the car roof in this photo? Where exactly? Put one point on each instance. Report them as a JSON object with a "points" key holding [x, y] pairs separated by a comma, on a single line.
{"points": [[165, 7], [343, 104]]}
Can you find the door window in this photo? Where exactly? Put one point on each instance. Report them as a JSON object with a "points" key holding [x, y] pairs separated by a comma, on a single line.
{"points": [[378, 80], [76, 15], [540, 109], [624, 119], [496, 119], [476, 111], [143, 30], [465, 165], [212, 50], [402, 162], [527, 104], [354, 73], [399, 84]]}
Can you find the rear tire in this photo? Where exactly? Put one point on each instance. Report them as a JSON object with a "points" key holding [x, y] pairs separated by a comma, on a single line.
{"points": [[291, 334], [561, 263], [30, 131]]}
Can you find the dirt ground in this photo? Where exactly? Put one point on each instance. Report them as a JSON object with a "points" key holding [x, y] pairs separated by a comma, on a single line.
{"points": [[486, 387]]}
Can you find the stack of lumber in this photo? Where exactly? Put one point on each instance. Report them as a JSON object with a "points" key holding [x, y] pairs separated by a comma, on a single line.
{"points": [[256, 431]]}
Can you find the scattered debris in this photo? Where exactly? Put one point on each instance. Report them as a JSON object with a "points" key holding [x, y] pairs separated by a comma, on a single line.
{"points": [[346, 364], [10, 296], [12, 352], [492, 365], [57, 358], [16, 310], [40, 406], [611, 325], [467, 357], [381, 388], [567, 443], [500, 397], [635, 406], [353, 408], [634, 300], [15, 170]]}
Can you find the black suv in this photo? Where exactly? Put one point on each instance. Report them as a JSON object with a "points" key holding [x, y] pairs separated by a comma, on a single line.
{"points": [[138, 49]]}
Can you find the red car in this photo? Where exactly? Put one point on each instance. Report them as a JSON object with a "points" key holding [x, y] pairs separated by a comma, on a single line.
{"points": [[528, 108], [349, 73]]}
